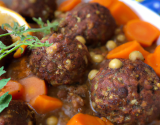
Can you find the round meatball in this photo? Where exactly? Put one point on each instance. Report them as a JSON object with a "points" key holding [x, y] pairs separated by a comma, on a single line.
{"points": [[35, 8], [64, 62], [126, 95], [6, 40], [17, 113], [90, 20]]}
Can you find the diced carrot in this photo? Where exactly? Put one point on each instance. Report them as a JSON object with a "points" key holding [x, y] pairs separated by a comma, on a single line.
{"points": [[14, 88], [153, 60], [144, 32], [122, 13], [157, 54], [2, 4], [124, 50], [43, 104], [85, 119], [33, 87], [19, 52], [68, 5], [106, 3]]}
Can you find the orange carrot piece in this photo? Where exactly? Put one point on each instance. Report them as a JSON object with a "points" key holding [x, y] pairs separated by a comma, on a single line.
{"points": [[144, 32], [122, 13], [14, 88], [124, 50], [43, 104], [106, 3], [2, 4], [85, 119], [153, 60], [68, 5], [19, 52], [33, 87]]}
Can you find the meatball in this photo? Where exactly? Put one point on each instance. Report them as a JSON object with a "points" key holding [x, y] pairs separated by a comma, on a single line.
{"points": [[90, 20], [64, 62], [6, 40], [35, 8], [126, 95], [17, 113]]}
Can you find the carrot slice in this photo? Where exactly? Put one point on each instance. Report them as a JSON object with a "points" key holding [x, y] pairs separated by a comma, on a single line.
{"points": [[144, 32], [122, 13], [33, 87], [153, 60], [2, 4], [19, 52], [106, 3], [68, 5], [43, 104], [124, 50], [14, 88], [85, 119], [157, 54]]}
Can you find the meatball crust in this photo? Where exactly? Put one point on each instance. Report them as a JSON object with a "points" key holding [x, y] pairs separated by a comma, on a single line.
{"points": [[127, 95], [64, 62], [17, 113], [90, 20], [35, 8]]}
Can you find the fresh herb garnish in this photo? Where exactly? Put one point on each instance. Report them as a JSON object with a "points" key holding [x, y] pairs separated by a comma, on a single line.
{"points": [[5, 98], [31, 41]]}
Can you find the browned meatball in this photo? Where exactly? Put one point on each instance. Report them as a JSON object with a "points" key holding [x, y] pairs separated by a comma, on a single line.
{"points": [[35, 8], [64, 62], [6, 40], [127, 95], [17, 113], [90, 20]]}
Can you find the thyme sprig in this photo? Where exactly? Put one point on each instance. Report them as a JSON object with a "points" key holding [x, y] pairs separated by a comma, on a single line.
{"points": [[31, 41]]}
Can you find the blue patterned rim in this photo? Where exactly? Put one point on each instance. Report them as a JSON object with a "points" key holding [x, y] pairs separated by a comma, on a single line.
{"points": [[154, 5]]}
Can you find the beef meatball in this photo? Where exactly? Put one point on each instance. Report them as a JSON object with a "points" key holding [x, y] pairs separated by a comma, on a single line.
{"points": [[90, 20], [126, 95], [6, 40], [17, 113], [35, 8], [64, 62]]}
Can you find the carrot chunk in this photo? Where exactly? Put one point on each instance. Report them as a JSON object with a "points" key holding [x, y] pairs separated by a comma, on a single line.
{"points": [[20, 51], [85, 119], [144, 32], [106, 3], [33, 87], [2, 4], [43, 104], [124, 50], [153, 60], [68, 5], [14, 88], [122, 13]]}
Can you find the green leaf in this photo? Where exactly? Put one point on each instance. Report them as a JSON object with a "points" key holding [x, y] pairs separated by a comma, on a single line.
{"points": [[4, 101], [2, 45], [3, 82], [2, 71]]}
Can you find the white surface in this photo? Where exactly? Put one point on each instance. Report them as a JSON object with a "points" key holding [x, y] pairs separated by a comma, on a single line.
{"points": [[145, 13]]}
